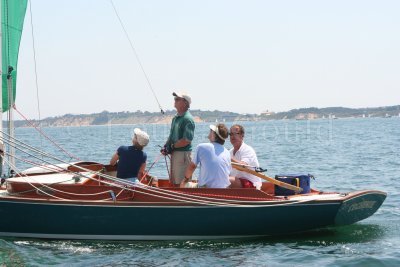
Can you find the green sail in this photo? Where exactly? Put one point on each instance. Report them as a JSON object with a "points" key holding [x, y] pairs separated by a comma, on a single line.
{"points": [[12, 22]]}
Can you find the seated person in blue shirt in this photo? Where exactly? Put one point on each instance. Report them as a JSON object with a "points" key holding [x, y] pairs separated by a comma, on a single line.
{"points": [[214, 160], [132, 159]]}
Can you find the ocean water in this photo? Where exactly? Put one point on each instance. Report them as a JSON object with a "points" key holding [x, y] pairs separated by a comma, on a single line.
{"points": [[343, 154]]}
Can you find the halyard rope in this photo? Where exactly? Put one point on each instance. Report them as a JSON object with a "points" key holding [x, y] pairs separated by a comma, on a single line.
{"points": [[137, 56], [35, 68]]}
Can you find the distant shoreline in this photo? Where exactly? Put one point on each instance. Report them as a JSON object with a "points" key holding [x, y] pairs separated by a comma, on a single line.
{"points": [[106, 118]]}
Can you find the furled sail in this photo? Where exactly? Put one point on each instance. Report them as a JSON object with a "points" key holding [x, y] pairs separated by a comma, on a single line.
{"points": [[12, 22]]}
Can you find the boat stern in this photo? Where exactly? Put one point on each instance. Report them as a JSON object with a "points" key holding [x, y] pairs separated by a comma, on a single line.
{"points": [[358, 206]]}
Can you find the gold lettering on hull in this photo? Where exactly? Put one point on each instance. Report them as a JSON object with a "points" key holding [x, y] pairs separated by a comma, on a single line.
{"points": [[361, 205]]}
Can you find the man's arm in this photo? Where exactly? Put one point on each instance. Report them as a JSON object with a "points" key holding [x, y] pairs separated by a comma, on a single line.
{"points": [[189, 171], [180, 143]]}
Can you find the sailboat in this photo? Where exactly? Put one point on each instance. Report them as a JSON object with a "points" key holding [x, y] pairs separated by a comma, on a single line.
{"points": [[85, 200]]}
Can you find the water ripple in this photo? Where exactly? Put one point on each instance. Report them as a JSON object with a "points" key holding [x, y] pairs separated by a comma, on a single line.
{"points": [[344, 155]]}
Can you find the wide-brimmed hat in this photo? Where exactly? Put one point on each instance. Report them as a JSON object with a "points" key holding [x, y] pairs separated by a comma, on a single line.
{"points": [[183, 95], [142, 137], [215, 130]]}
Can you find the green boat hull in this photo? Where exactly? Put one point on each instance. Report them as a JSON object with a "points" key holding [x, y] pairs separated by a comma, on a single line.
{"points": [[130, 222]]}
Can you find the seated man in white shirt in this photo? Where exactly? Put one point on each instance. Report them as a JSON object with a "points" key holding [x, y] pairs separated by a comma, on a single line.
{"points": [[214, 160], [243, 154]]}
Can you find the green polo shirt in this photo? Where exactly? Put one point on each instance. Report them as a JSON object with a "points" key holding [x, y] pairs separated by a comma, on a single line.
{"points": [[182, 127]]}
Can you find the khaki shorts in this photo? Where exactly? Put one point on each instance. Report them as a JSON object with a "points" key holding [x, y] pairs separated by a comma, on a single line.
{"points": [[179, 162]]}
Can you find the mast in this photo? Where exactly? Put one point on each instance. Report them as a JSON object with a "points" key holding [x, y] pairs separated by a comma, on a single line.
{"points": [[11, 130], [12, 15], [11, 133]]}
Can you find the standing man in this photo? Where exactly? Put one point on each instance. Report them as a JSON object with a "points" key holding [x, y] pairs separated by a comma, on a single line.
{"points": [[243, 154], [179, 143]]}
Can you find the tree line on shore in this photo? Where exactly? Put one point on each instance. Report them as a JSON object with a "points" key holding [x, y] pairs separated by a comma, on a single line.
{"points": [[137, 117]]}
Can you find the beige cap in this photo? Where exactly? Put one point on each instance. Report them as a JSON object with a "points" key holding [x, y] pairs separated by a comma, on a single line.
{"points": [[183, 95], [215, 130], [141, 136]]}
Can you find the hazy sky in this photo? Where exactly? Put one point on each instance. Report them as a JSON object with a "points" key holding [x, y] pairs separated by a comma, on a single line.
{"points": [[245, 56]]}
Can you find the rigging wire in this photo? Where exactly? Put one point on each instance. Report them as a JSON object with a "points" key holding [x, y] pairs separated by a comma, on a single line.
{"points": [[137, 56], [154, 192], [43, 134], [122, 184], [162, 194], [36, 72], [20, 146], [157, 192]]}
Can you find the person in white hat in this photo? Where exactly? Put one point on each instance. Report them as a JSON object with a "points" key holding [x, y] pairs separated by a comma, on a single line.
{"points": [[132, 159], [179, 142], [214, 160]]}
